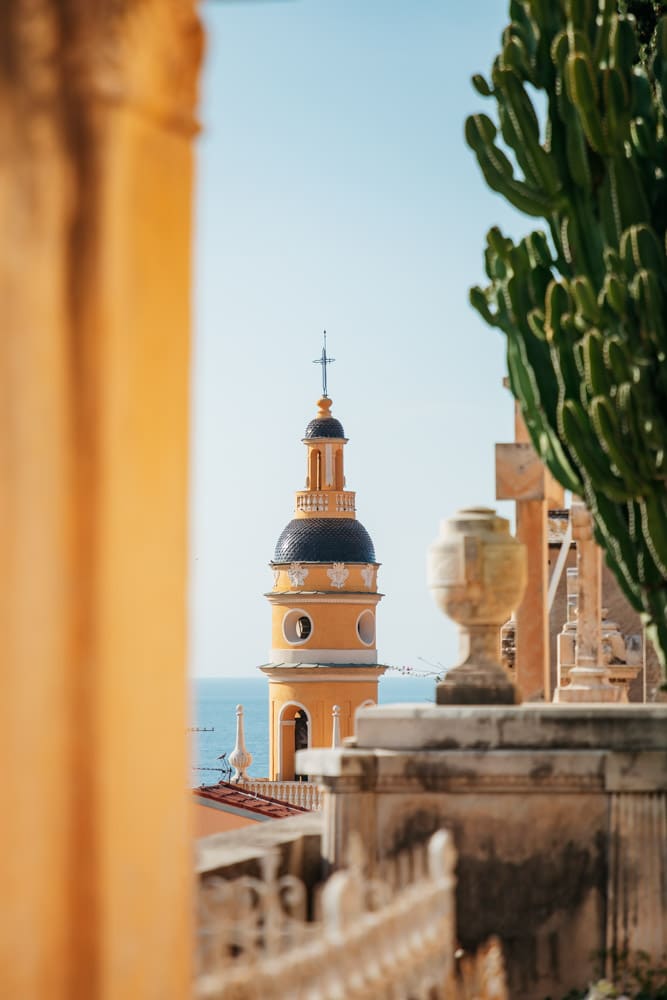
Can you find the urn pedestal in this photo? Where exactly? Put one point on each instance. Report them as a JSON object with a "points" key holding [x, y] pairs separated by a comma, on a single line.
{"points": [[477, 573]]}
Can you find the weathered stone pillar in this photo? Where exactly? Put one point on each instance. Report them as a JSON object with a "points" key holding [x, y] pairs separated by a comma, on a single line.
{"points": [[589, 678], [521, 476], [96, 130]]}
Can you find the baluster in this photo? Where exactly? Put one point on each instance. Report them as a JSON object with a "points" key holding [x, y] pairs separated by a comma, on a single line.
{"points": [[369, 943]]}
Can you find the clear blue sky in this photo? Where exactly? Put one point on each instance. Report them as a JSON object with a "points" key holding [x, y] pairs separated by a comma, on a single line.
{"points": [[335, 191]]}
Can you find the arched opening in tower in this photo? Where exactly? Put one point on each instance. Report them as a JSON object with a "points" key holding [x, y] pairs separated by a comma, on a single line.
{"points": [[300, 737], [312, 469], [294, 735], [338, 463]]}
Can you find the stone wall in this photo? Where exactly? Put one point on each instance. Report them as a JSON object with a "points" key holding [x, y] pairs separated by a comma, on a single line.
{"points": [[556, 811], [298, 841]]}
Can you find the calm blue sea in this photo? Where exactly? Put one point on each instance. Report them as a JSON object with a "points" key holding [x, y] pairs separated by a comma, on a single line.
{"points": [[214, 707]]}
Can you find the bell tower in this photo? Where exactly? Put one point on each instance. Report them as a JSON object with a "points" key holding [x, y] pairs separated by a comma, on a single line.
{"points": [[323, 604]]}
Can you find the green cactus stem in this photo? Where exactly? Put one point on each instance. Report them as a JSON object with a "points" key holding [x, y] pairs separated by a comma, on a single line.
{"points": [[583, 305]]}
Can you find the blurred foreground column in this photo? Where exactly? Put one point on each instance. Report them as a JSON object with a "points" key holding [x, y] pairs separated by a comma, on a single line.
{"points": [[96, 130]]}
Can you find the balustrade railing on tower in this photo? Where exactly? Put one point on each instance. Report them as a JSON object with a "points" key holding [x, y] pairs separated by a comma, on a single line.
{"points": [[342, 501]]}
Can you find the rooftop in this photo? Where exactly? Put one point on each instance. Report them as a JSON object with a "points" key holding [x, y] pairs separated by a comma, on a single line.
{"points": [[236, 799]]}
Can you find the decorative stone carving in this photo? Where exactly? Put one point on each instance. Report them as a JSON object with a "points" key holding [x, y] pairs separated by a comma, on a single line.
{"points": [[372, 937], [276, 578], [338, 574], [477, 572], [240, 758], [297, 574], [368, 576]]}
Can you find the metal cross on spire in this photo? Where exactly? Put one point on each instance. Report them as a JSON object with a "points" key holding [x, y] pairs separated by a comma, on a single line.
{"points": [[324, 360]]}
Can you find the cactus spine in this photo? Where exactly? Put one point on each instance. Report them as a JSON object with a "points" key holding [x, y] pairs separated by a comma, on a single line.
{"points": [[583, 307]]}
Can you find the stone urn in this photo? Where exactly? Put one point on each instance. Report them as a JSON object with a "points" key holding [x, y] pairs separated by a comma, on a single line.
{"points": [[477, 573]]}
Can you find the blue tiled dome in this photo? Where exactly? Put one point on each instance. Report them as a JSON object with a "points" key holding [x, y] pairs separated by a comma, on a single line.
{"points": [[324, 427], [324, 539]]}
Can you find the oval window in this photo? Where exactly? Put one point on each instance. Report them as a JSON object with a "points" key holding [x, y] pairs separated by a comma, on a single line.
{"points": [[366, 627], [297, 626]]}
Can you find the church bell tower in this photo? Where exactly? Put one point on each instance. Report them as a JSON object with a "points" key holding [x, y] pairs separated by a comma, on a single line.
{"points": [[323, 604]]}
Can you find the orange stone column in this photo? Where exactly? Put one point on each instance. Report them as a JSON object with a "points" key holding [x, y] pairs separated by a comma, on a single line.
{"points": [[96, 127], [521, 476]]}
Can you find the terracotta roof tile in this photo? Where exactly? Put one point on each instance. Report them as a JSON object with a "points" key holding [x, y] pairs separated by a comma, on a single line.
{"points": [[231, 795]]}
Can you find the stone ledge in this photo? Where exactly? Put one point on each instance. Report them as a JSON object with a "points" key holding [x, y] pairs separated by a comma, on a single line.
{"points": [[239, 852], [528, 771], [529, 726]]}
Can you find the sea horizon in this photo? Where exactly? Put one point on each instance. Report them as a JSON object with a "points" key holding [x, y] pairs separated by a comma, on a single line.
{"points": [[214, 699]]}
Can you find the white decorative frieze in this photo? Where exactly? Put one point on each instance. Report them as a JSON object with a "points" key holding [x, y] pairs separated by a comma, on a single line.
{"points": [[297, 574], [276, 577], [338, 574], [368, 576]]}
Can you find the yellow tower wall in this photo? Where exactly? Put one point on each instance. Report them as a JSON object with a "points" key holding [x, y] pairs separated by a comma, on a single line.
{"points": [[318, 695], [323, 621], [334, 626]]}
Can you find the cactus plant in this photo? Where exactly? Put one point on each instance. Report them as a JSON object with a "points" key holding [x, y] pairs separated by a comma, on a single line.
{"points": [[583, 305]]}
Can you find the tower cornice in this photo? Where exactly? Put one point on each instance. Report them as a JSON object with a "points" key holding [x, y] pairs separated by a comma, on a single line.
{"points": [[298, 597]]}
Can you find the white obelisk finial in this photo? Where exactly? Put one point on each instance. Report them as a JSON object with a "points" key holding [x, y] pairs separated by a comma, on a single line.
{"points": [[335, 735], [240, 758]]}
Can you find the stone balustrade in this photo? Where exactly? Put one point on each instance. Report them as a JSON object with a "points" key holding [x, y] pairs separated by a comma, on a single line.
{"points": [[340, 501], [371, 938], [308, 501], [297, 793], [345, 501]]}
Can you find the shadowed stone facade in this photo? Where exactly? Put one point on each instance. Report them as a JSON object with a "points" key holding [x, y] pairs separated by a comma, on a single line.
{"points": [[558, 814]]}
